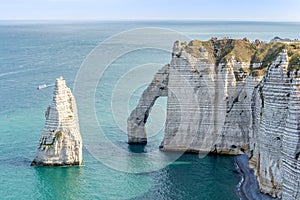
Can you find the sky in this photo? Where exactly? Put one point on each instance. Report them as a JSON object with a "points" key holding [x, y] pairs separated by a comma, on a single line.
{"points": [[243, 10]]}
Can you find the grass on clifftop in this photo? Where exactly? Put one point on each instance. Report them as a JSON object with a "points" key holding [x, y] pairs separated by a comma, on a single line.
{"points": [[293, 50], [225, 50], [241, 51], [266, 53], [195, 48]]}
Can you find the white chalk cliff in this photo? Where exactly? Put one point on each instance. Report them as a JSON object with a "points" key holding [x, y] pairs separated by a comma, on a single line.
{"points": [[291, 145], [61, 142], [274, 95], [232, 97]]}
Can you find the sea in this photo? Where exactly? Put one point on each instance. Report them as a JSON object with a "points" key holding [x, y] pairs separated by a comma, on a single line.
{"points": [[34, 53]]}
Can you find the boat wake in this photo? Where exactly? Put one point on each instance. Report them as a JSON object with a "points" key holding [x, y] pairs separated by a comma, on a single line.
{"points": [[14, 72]]}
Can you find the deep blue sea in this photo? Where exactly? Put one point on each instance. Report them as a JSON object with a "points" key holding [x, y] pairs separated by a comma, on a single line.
{"points": [[35, 53]]}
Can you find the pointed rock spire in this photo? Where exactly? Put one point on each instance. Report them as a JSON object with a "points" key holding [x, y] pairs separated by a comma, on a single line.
{"points": [[61, 142]]}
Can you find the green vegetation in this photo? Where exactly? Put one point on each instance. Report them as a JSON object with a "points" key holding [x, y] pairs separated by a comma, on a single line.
{"points": [[293, 50], [58, 134], [195, 48], [222, 49], [259, 72], [242, 51], [70, 104], [266, 53], [294, 62], [225, 50], [246, 70], [49, 145]]}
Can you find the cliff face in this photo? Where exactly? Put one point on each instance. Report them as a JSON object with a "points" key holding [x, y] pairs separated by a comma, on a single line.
{"points": [[274, 94], [61, 142], [219, 95], [209, 99], [291, 145], [232, 97], [276, 143]]}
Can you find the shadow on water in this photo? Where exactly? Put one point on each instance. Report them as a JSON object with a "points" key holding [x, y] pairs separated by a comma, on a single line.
{"points": [[137, 148], [59, 182], [191, 177]]}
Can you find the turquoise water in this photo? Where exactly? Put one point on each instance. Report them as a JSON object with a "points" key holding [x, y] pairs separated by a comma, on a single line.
{"points": [[33, 54]]}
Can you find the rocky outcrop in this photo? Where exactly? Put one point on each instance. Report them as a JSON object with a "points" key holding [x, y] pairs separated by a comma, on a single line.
{"points": [[61, 142], [233, 97]]}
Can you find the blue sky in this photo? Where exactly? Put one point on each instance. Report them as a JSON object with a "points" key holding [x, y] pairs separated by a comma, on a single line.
{"points": [[265, 10]]}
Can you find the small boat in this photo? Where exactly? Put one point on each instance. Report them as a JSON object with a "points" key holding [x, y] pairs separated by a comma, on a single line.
{"points": [[41, 87]]}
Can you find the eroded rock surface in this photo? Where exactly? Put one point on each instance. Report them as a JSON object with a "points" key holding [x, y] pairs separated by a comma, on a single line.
{"points": [[274, 95], [137, 120], [61, 142], [206, 99], [291, 145], [232, 97]]}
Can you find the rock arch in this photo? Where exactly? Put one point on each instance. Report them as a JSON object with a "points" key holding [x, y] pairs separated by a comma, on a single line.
{"points": [[137, 120]]}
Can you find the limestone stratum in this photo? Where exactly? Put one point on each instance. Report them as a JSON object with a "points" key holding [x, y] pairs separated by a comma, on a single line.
{"points": [[232, 96], [61, 142]]}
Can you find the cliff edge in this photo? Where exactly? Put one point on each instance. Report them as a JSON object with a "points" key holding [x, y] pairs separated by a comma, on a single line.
{"points": [[233, 97], [61, 142]]}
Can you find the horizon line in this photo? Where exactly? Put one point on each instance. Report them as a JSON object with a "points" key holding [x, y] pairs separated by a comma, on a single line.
{"points": [[155, 20]]}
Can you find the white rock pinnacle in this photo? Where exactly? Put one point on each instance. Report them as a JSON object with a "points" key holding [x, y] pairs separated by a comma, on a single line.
{"points": [[61, 142]]}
